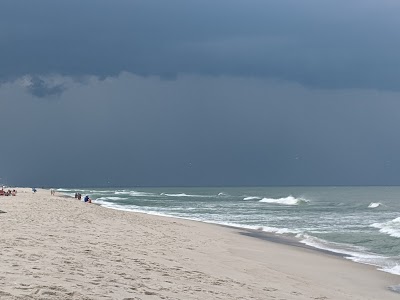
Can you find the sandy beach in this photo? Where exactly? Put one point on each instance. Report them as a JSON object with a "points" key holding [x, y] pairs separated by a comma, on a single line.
{"points": [[54, 247]]}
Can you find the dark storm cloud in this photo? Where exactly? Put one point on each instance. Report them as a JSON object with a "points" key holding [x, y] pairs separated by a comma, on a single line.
{"points": [[329, 44], [40, 88]]}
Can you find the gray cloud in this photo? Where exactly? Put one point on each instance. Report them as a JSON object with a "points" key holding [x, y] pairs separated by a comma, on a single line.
{"points": [[40, 88], [322, 44]]}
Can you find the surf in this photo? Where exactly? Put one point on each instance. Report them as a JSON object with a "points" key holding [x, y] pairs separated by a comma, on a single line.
{"points": [[290, 200], [391, 227], [374, 204]]}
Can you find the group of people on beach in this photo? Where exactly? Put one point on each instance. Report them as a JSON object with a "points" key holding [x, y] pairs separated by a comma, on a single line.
{"points": [[8, 192], [86, 199]]}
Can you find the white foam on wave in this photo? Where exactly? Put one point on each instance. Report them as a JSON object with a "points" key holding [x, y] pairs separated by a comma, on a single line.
{"points": [[251, 198], [354, 253], [185, 195], [123, 192], [374, 204], [392, 269], [177, 195], [141, 194], [285, 201], [318, 243], [391, 228], [110, 198], [253, 227], [279, 230], [134, 193], [222, 194], [137, 209]]}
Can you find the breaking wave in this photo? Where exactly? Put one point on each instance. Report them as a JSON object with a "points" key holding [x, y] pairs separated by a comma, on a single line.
{"points": [[374, 204], [394, 270], [185, 195], [251, 198], [222, 194], [110, 198], [285, 201], [391, 228], [351, 252], [134, 193]]}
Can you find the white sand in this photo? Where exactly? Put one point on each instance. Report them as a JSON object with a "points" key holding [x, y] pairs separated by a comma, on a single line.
{"points": [[58, 248]]}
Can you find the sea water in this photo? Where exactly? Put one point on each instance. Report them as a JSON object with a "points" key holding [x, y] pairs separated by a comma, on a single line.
{"points": [[362, 223]]}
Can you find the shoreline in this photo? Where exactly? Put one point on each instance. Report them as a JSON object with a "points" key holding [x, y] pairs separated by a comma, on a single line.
{"points": [[58, 248], [259, 234], [283, 239]]}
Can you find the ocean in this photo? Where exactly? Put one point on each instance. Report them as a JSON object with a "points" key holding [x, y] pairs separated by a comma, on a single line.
{"points": [[361, 223]]}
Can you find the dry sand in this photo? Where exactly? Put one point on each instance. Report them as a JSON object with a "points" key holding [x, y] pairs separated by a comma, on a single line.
{"points": [[59, 248]]}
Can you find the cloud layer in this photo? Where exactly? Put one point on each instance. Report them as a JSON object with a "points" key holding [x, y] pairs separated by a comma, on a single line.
{"points": [[322, 44]]}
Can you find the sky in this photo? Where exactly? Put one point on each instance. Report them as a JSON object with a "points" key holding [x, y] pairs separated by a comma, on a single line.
{"points": [[199, 93]]}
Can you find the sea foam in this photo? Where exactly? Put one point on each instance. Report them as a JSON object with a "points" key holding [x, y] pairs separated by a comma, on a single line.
{"points": [[391, 228], [374, 204], [185, 195], [394, 270], [285, 201], [251, 198], [351, 252], [111, 198], [134, 193]]}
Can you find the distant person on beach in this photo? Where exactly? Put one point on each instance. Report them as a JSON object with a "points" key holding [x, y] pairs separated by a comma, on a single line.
{"points": [[34, 190], [52, 192], [87, 199]]}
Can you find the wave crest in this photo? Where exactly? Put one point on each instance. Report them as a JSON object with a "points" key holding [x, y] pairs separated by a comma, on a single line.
{"points": [[285, 201], [251, 198], [391, 228], [185, 195], [374, 204], [110, 198], [134, 193]]}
